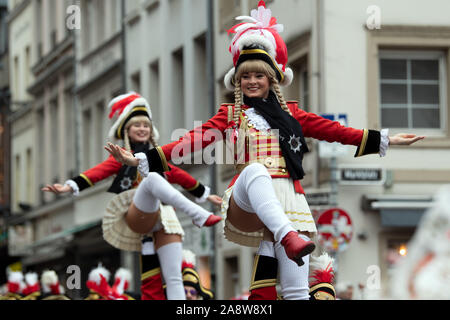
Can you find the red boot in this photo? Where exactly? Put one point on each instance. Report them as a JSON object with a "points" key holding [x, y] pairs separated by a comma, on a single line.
{"points": [[296, 248], [212, 220]]}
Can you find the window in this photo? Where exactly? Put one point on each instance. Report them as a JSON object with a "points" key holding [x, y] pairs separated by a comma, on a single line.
{"points": [[299, 89], [412, 89], [27, 66], [100, 134], [29, 177], [69, 128], [40, 155], [136, 82], [178, 94], [154, 92], [16, 92], [3, 30], [202, 110], [17, 179], [415, 87], [87, 138]]}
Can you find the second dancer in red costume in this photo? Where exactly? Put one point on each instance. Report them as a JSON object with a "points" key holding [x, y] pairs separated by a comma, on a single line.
{"points": [[147, 209]]}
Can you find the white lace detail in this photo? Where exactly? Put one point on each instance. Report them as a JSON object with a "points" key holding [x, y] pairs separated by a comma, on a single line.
{"points": [[384, 142], [74, 186], [257, 120], [143, 166]]}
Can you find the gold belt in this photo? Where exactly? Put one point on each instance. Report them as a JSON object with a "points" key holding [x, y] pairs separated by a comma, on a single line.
{"points": [[275, 165]]}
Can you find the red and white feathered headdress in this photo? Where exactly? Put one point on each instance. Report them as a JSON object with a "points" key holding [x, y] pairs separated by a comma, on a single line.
{"points": [[32, 283], [15, 283], [259, 38], [321, 278], [98, 282], [122, 279], [127, 106], [50, 283]]}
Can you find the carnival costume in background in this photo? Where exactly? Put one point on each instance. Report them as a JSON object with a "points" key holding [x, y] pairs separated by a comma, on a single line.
{"points": [[15, 286], [51, 287], [32, 291], [425, 271], [155, 194], [321, 278], [191, 277], [269, 167]]}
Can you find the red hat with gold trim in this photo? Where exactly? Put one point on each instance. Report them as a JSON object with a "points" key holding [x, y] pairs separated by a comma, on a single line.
{"points": [[127, 106], [259, 38], [191, 277]]}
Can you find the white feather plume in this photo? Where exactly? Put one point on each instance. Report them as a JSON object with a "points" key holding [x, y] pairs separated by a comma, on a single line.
{"points": [[189, 257], [94, 275], [15, 277], [123, 274], [321, 262], [31, 278], [49, 277]]}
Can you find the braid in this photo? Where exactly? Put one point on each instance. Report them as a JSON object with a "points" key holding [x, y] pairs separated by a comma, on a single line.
{"points": [[126, 141], [280, 97], [153, 141], [237, 102]]}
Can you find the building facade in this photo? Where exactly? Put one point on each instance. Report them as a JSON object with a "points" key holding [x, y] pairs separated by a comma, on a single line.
{"points": [[166, 54], [380, 64], [61, 131], [4, 138]]}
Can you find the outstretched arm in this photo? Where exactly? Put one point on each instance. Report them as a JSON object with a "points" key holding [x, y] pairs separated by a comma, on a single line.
{"points": [[404, 139], [86, 179], [366, 141], [57, 188]]}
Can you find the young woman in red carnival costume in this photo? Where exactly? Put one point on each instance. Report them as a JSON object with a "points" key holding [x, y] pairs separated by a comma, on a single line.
{"points": [[265, 204], [137, 208]]}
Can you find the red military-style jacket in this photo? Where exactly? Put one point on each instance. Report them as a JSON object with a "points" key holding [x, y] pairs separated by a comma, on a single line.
{"points": [[111, 167], [314, 126]]}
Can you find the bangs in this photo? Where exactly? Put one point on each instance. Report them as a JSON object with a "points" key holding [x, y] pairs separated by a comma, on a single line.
{"points": [[137, 119], [255, 66]]}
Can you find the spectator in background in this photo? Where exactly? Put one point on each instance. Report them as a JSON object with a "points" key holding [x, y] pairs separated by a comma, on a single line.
{"points": [[344, 291]]}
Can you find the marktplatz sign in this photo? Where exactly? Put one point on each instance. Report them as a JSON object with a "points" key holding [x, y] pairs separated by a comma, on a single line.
{"points": [[362, 175]]}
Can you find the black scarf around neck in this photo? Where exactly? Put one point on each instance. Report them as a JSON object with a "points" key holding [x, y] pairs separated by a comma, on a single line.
{"points": [[292, 142], [126, 175]]}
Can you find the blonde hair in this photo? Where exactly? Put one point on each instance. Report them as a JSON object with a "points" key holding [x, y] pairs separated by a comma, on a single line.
{"points": [[256, 66], [136, 119]]}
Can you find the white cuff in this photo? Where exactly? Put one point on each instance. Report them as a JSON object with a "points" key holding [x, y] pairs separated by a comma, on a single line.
{"points": [[384, 142], [204, 196], [74, 186], [143, 166]]}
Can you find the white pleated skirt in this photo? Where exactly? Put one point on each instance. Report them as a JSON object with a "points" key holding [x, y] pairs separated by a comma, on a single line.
{"points": [[116, 231]]}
